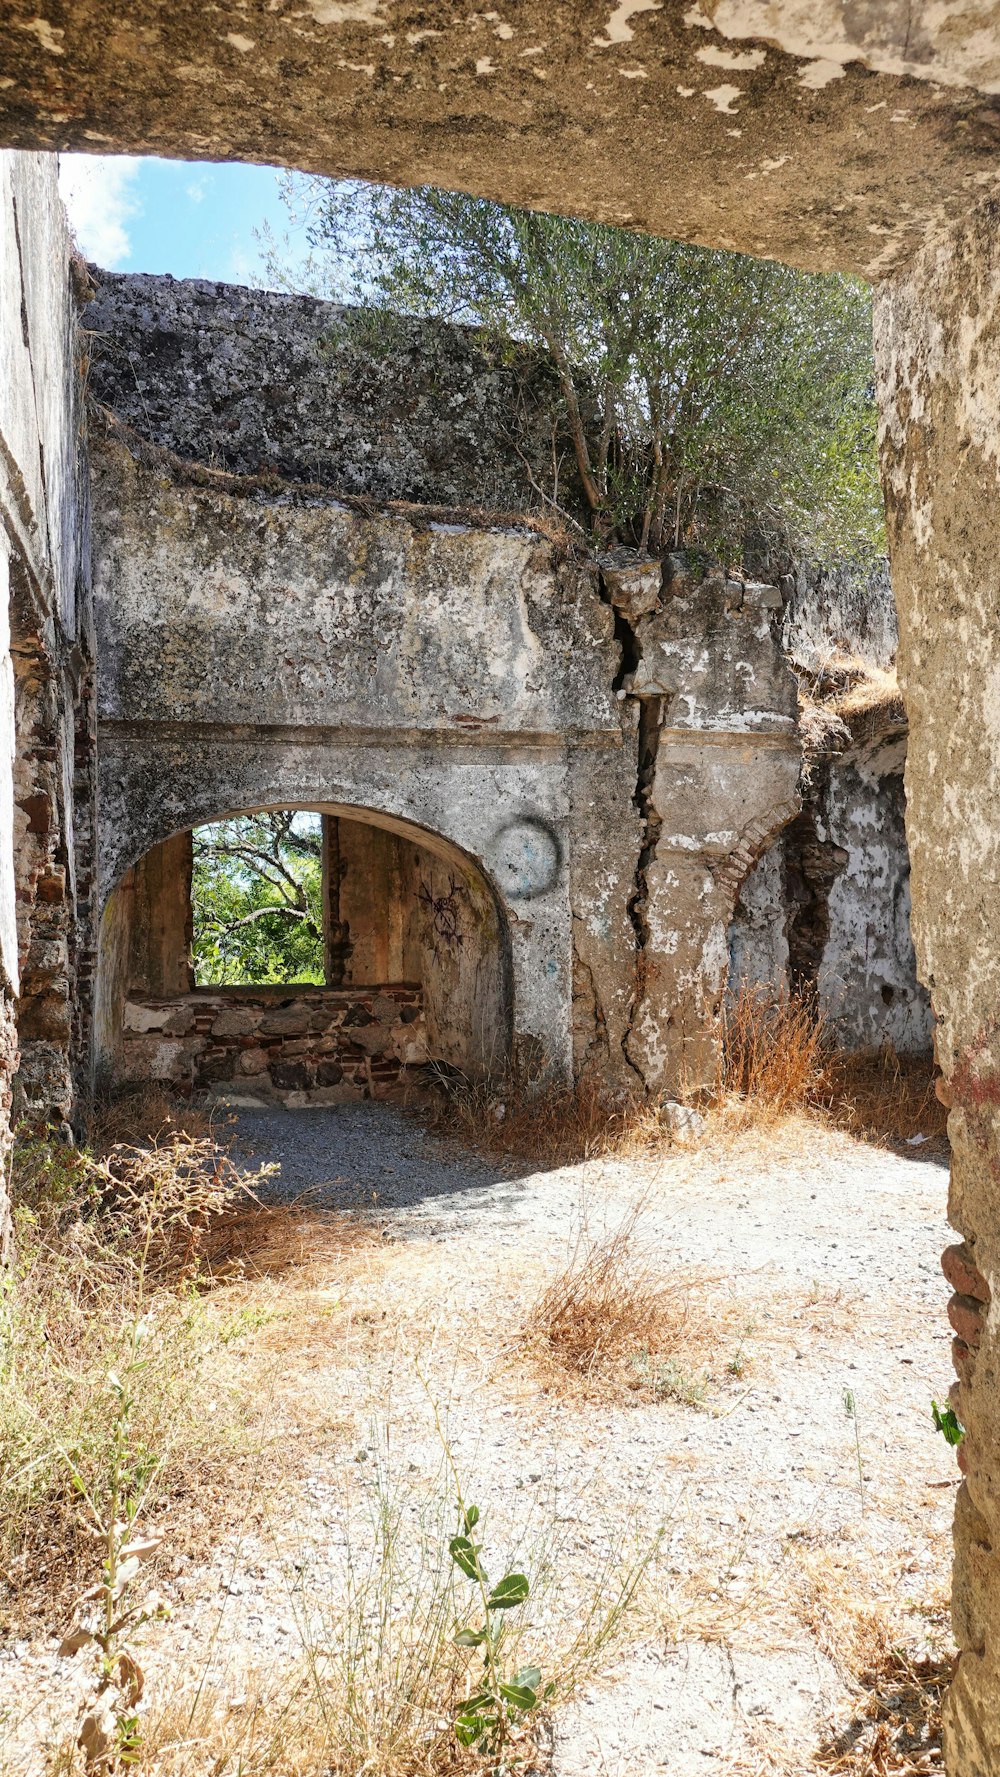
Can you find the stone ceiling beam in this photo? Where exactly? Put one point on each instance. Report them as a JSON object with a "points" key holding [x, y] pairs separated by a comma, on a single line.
{"points": [[823, 133]]}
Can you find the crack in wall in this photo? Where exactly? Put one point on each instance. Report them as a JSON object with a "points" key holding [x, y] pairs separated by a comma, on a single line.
{"points": [[650, 723]]}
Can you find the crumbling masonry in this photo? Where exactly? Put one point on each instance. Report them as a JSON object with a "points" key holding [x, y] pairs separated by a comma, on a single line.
{"points": [[854, 137]]}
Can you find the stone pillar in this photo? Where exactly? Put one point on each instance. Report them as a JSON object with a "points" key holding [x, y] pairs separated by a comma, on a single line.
{"points": [[937, 334], [719, 760]]}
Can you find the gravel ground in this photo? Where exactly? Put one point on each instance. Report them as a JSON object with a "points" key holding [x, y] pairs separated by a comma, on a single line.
{"points": [[820, 1269]]}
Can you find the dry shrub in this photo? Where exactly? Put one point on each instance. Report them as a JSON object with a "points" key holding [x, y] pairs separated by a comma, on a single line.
{"points": [[774, 1056], [610, 1320], [140, 1113], [270, 1240], [108, 1252], [549, 1127]]}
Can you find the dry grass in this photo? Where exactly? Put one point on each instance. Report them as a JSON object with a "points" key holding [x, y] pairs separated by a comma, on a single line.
{"points": [[779, 1080], [114, 1256], [377, 1677], [773, 1059], [847, 699], [132, 1261], [895, 1729], [611, 1322], [549, 1128], [885, 1099], [144, 1113]]}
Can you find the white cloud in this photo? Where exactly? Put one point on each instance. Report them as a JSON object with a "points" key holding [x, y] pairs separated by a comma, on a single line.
{"points": [[100, 197]]}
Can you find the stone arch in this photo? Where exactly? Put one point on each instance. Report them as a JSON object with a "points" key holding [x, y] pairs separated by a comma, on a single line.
{"points": [[485, 807], [424, 931]]}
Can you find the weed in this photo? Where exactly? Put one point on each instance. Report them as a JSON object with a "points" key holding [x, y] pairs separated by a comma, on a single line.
{"points": [[109, 1615], [392, 1677], [605, 1309], [668, 1382], [947, 1422], [498, 1704], [851, 1409]]}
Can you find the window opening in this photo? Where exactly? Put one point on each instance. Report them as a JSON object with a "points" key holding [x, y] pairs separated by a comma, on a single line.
{"points": [[261, 901]]}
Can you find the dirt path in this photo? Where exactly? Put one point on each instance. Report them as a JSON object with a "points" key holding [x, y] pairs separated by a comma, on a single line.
{"points": [[813, 1277], [823, 1268]]}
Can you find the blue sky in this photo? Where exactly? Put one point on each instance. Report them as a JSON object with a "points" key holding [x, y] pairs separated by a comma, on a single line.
{"points": [[193, 218]]}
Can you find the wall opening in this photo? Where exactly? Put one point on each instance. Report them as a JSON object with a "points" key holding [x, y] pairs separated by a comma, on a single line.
{"points": [[307, 956], [260, 907]]}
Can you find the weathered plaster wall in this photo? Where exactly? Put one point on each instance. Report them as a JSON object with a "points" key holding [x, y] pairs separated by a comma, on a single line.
{"points": [[838, 610], [719, 770], [45, 671], [827, 907], [457, 681], [254, 381], [938, 354]]}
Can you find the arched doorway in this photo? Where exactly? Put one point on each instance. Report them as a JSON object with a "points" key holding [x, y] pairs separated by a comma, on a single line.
{"points": [[412, 972]]}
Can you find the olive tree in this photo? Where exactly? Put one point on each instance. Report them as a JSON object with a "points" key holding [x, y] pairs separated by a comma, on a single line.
{"points": [[703, 392]]}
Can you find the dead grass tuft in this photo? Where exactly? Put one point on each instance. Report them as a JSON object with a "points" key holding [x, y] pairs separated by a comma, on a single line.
{"points": [[610, 1322], [774, 1058], [550, 1128], [886, 1099], [846, 699], [274, 1240], [138, 1114]]}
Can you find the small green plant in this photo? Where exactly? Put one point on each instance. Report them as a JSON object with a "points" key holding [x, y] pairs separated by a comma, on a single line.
{"points": [[947, 1422], [110, 1732], [739, 1360], [669, 1382], [501, 1702], [851, 1409]]}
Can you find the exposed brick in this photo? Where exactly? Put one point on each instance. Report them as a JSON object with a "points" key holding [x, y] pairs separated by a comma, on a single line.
{"points": [[960, 1270]]}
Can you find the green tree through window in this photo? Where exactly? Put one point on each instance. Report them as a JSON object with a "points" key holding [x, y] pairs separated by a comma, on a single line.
{"points": [[257, 900]]}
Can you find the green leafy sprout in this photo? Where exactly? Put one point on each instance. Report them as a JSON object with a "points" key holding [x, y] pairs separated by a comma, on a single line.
{"points": [[947, 1422], [502, 1700]]}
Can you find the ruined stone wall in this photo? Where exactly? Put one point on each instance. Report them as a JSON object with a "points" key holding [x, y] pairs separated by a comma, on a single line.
{"points": [[46, 652], [827, 908], [719, 761], [318, 1046], [452, 682], [256, 382], [630, 726]]}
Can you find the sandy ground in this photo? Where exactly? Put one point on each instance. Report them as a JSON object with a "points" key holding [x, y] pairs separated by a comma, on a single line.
{"points": [[811, 1273]]}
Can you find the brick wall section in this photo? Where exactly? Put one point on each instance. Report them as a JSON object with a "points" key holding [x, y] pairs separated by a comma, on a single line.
{"points": [[311, 1046]]}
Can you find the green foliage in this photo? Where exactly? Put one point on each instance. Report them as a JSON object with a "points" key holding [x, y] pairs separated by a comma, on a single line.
{"points": [[257, 898], [947, 1422], [706, 393], [501, 1700]]}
